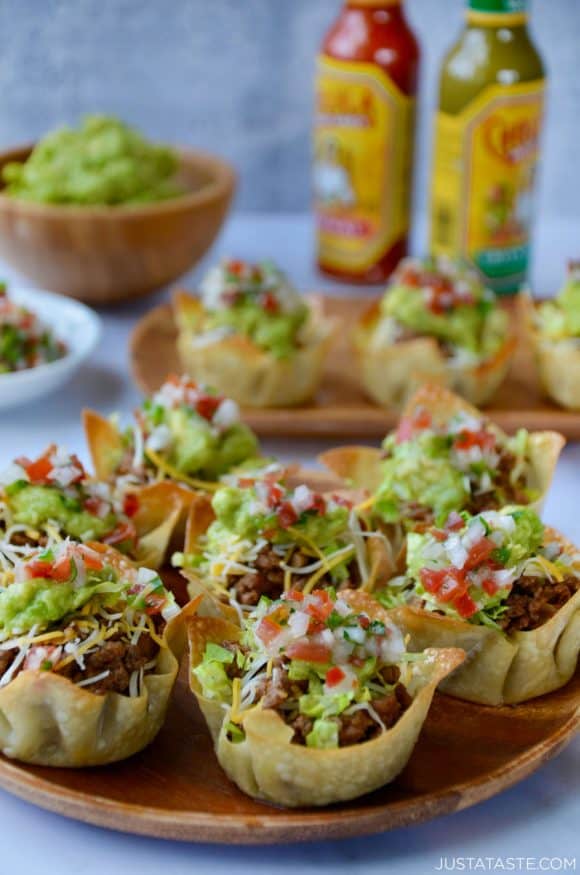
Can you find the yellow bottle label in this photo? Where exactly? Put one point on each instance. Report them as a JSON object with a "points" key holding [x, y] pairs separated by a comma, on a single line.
{"points": [[482, 203], [363, 145]]}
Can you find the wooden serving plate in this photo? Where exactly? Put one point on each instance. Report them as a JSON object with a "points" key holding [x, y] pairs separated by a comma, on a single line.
{"points": [[175, 789], [341, 409]]}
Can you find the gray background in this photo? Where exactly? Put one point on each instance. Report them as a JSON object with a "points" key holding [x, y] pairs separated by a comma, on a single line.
{"points": [[236, 77]]}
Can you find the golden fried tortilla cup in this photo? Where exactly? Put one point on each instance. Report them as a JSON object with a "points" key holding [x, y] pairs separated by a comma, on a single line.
{"points": [[501, 669], [558, 362], [267, 766], [392, 372], [235, 366], [48, 720]]}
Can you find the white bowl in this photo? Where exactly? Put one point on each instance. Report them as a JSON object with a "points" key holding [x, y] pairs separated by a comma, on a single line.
{"points": [[73, 323]]}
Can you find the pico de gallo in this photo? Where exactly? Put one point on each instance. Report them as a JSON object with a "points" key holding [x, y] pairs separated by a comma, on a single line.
{"points": [[25, 341], [51, 497], [443, 299], [337, 677], [430, 469], [186, 431], [73, 610], [253, 300], [268, 539], [501, 569]]}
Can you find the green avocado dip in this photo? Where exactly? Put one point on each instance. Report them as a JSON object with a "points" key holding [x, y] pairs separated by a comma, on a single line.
{"points": [[256, 301], [187, 431], [103, 162], [560, 319], [439, 298]]}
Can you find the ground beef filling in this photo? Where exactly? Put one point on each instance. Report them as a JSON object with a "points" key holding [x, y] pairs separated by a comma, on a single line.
{"points": [[116, 655], [534, 600], [267, 579], [279, 693]]}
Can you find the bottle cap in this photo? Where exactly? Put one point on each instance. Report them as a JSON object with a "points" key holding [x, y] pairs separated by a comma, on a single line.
{"points": [[497, 12], [374, 4]]}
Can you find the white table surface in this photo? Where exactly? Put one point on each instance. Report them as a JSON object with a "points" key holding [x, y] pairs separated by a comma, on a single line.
{"points": [[535, 820]]}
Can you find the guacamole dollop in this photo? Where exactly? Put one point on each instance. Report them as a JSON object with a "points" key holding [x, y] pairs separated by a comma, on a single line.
{"points": [[446, 300], [256, 301], [35, 506], [241, 512], [195, 431], [102, 162], [39, 602], [560, 318]]}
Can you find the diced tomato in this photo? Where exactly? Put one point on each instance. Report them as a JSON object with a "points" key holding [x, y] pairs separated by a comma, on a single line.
{"points": [[245, 482], [455, 522], [364, 621], [270, 302], [236, 266], [81, 473], [465, 440], [91, 559], [480, 551], [286, 515], [446, 580], [453, 586], [295, 595], [309, 651], [320, 610], [38, 568], [438, 534], [130, 504], [318, 503], [122, 532], [267, 629], [274, 495], [207, 405], [490, 586], [465, 606], [62, 569], [342, 501], [410, 277], [432, 579], [154, 603], [39, 471], [422, 418], [92, 505], [334, 676]]}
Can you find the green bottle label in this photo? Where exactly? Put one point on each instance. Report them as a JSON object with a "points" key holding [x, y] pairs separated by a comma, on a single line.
{"points": [[499, 7]]}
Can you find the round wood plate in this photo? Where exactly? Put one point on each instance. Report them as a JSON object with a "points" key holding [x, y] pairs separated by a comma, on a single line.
{"points": [[175, 789], [340, 408]]}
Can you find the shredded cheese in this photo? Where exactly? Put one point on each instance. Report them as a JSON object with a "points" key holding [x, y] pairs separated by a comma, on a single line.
{"points": [[162, 465]]}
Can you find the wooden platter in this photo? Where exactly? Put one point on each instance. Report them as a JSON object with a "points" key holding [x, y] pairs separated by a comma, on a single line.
{"points": [[176, 790], [341, 408]]}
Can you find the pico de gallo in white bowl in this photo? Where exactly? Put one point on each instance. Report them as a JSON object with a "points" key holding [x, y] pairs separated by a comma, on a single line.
{"points": [[43, 339]]}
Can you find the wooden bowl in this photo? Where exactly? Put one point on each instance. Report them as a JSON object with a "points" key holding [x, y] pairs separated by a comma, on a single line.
{"points": [[105, 254]]}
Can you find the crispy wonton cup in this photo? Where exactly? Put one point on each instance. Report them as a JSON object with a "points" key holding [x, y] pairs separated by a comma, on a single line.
{"points": [[361, 466], [163, 505], [558, 362], [382, 562], [391, 373], [48, 720], [500, 669], [236, 367], [267, 766]]}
